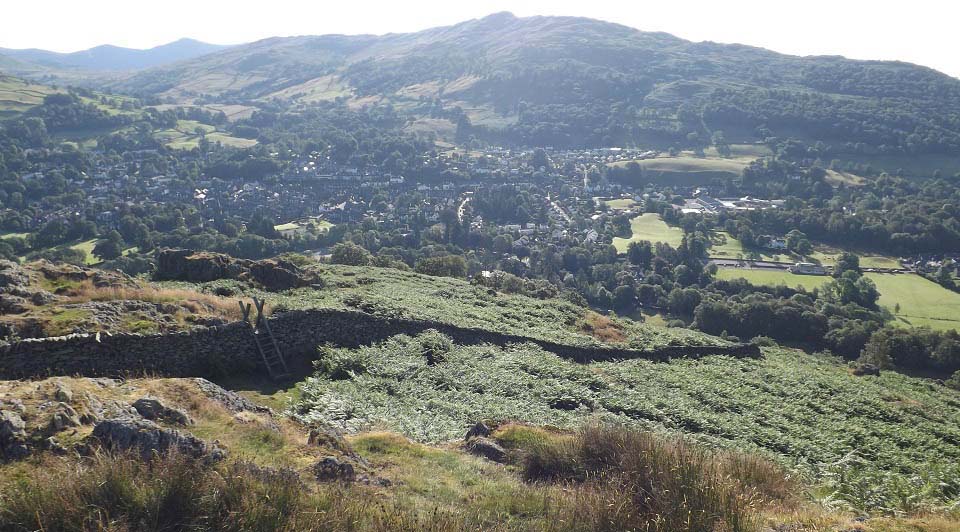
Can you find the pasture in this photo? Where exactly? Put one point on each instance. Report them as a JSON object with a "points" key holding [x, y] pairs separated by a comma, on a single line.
{"points": [[922, 302], [187, 135], [688, 168], [18, 96], [650, 227]]}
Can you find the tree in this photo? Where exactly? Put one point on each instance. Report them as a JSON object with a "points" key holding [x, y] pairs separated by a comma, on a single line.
{"points": [[350, 254], [847, 262], [640, 253], [109, 248], [625, 298], [446, 266]]}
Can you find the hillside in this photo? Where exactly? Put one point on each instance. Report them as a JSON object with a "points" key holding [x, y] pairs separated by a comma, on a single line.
{"points": [[810, 444], [107, 57], [556, 80]]}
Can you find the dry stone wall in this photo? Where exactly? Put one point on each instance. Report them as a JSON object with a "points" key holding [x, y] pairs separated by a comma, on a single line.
{"points": [[230, 349]]}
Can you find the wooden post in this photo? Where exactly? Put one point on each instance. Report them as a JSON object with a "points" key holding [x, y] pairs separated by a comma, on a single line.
{"points": [[259, 304], [245, 308]]}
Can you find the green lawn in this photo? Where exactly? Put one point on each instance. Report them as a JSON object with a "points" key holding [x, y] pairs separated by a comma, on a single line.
{"points": [[922, 302], [650, 227], [688, 169], [728, 247], [773, 277], [88, 246], [621, 204]]}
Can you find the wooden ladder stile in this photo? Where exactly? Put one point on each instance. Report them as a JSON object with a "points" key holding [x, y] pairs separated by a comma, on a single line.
{"points": [[266, 342]]}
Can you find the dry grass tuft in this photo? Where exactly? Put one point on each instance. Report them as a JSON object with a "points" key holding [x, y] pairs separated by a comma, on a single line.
{"points": [[196, 302], [603, 328]]}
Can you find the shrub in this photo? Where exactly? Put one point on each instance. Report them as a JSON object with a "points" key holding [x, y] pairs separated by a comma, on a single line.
{"points": [[954, 381], [434, 346]]}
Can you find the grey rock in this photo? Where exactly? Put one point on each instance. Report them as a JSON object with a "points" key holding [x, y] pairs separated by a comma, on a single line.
{"points": [[13, 404], [11, 304], [52, 445], [478, 430], [331, 468], [42, 297], [230, 400], [329, 437], [148, 438], [12, 436], [11, 425], [151, 408], [64, 418], [487, 448], [63, 394]]}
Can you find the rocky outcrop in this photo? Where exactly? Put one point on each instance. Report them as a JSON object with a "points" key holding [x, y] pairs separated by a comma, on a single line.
{"points": [[13, 436], [151, 408], [232, 401], [487, 448], [331, 468], [148, 439], [201, 267], [197, 267]]}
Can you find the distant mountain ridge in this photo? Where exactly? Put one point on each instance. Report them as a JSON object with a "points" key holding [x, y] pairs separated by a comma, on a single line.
{"points": [[567, 82], [114, 58]]}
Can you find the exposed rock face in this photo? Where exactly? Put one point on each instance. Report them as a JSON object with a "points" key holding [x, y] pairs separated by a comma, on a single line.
{"points": [[230, 400], [13, 436], [201, 267], [186, 265], [334, 469], [278, 274], [64, 418], [63, 394], [331, 438], [487, 448], [151, 408], [148, 438], [478, 430]]}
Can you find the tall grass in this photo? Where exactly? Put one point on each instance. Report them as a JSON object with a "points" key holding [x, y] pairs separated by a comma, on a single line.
{"points": [[123, 493], [630, 480], [196, 302]]}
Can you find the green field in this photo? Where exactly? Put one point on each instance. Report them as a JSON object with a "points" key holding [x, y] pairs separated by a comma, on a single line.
{"points": [[621, 204], [18, 96], [922, 302], [650, 227], [185, 137], [728, 247], [87, 247], [771, 277], [688, 169]]}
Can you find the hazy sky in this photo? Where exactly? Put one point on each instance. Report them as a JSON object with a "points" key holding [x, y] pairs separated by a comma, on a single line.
{"points": [[919, 31]]}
